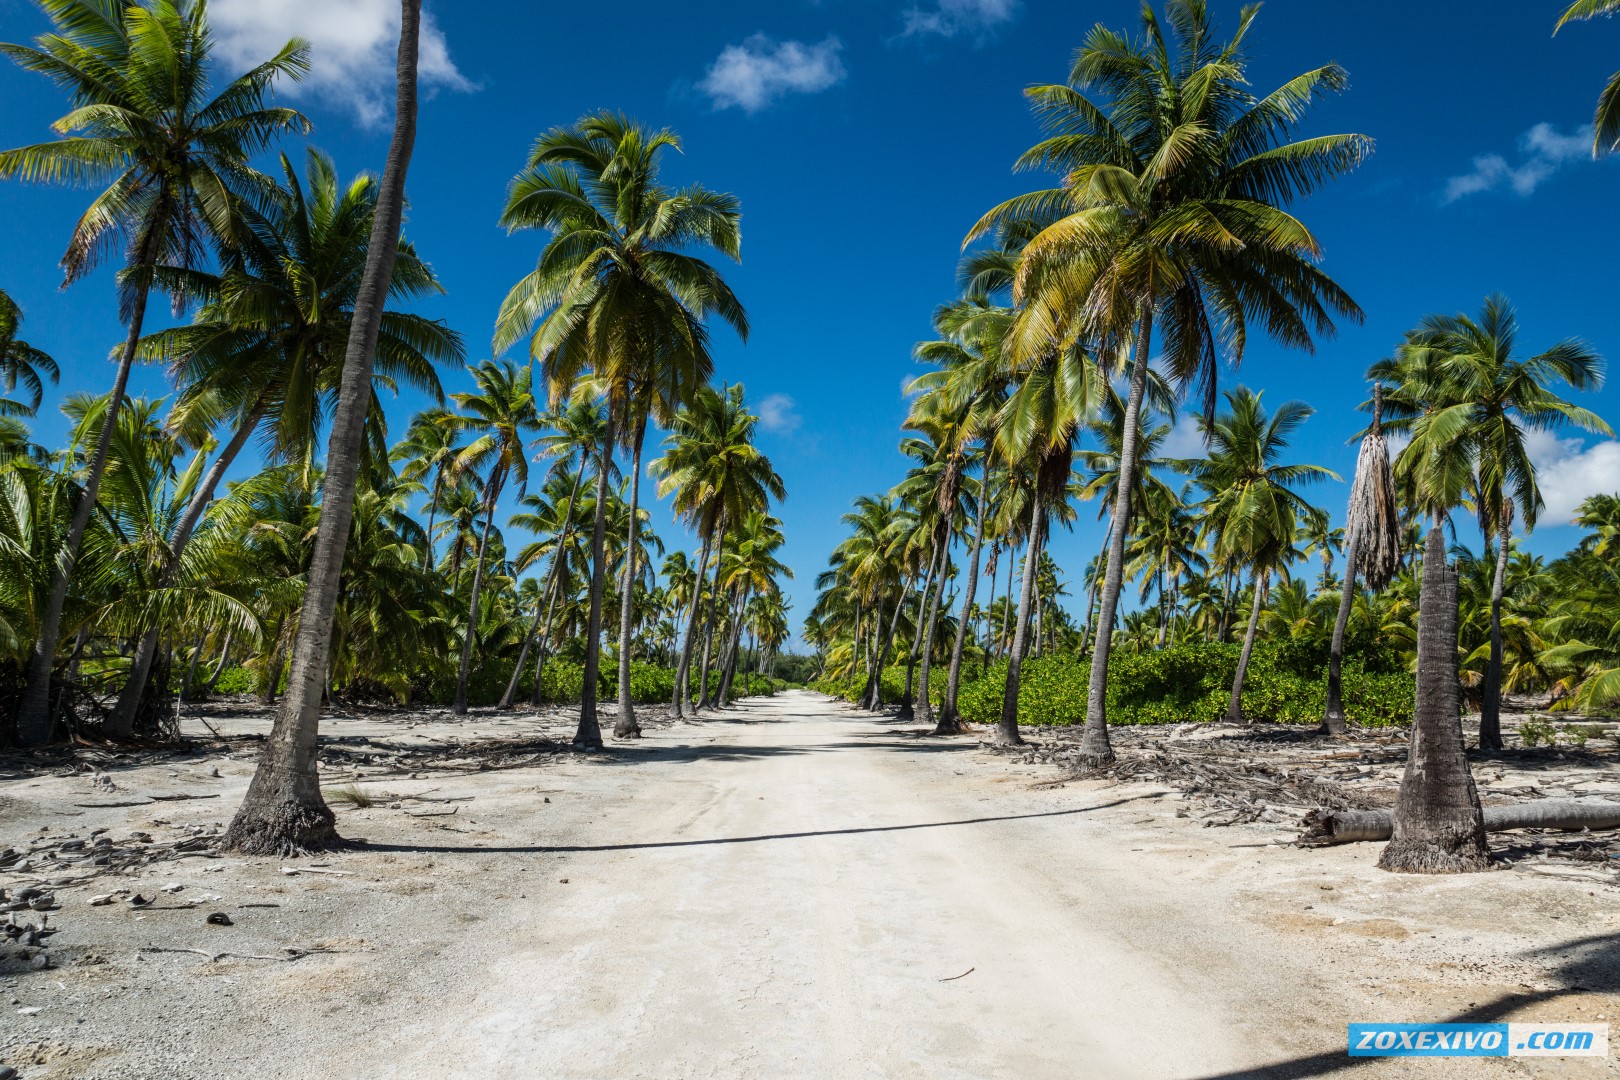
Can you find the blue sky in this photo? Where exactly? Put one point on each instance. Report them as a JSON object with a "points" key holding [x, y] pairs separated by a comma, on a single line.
{"points": [[864, 138]]}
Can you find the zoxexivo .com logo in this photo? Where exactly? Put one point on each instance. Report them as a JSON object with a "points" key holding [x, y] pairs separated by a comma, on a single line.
{"points": [[1479, 1040]]}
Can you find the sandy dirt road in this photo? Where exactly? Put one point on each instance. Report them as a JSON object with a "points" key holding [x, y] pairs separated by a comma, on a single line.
{"points": [[792, 889], [791, 901]]}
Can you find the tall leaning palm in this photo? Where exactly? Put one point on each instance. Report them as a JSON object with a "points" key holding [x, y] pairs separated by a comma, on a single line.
{"points": [[1606, 122], [283, 810], [501, 411], [1481, 399], [618, 292], [174, 159], [268, 343], [1171, 216]]}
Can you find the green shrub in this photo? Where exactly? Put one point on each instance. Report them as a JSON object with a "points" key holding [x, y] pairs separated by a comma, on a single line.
{"points": [[236, 680], [1191, 682], [1534, 732]]}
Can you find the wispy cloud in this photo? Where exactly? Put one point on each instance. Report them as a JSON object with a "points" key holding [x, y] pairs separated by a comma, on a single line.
{"points": [[1184, 440], [1542, 152], [779, 413], [353, 46], [752, 75], [1569, 471], [948, 18]]}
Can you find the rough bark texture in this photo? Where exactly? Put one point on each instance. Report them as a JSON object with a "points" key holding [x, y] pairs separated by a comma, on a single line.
{"points": [[950, 722], [1234, 707], [626, 727], [1333, 718], [1095, 748], [1490, 705], [35, 722], [589, 732], [1353, 826], [1007, 730], [1438, 827], [684, 670], [120, 723], [283, 812]]}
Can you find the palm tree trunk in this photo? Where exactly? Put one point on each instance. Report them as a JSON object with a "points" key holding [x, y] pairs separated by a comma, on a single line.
{"points": [[683, 670], [224, 662], [510, 697], [283, 812], [1007, 732], [120, 723], [589, 733], [1439, 827], [990, 614], [1333, 718], [554, 594], [1006, 606], [1490, 706], [1094, 746], [433, 511], [1163, 620], [191, 670], [950, 722], [626, 726], [708, 630], [924, 708], [35, 723], [907, 710], [470, 638], [1234, 708], [728, 669], [874, 690]]}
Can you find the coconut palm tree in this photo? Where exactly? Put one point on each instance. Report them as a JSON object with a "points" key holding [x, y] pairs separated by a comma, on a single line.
{"points": [[283, 810], [175, 160], [971, 382], [268, 342], [429, 448], [618, 291], [576, 432], [20, 363], [501, 411], [1481, 399], [1171, 215], [1439, 826], [1606, 122], [1252, 513], [717, 475]]}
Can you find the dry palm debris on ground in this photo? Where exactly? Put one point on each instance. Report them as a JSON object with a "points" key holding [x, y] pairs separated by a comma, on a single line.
{"points": [[1230, 774]]}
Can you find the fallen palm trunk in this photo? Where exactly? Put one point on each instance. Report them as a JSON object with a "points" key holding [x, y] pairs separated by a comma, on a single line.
{"points": [[1323, 827]]}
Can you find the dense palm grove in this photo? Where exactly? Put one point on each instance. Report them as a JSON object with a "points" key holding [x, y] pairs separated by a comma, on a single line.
{"points": [[1172, 235], [264, 528], [139, 573]]}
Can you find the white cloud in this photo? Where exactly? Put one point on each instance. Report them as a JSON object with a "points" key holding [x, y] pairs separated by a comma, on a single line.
{"points": [[1544, 152], [779, 413], [1184, 440], [948, 18], [752, 75], [353, 47], [1568, 472]]}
